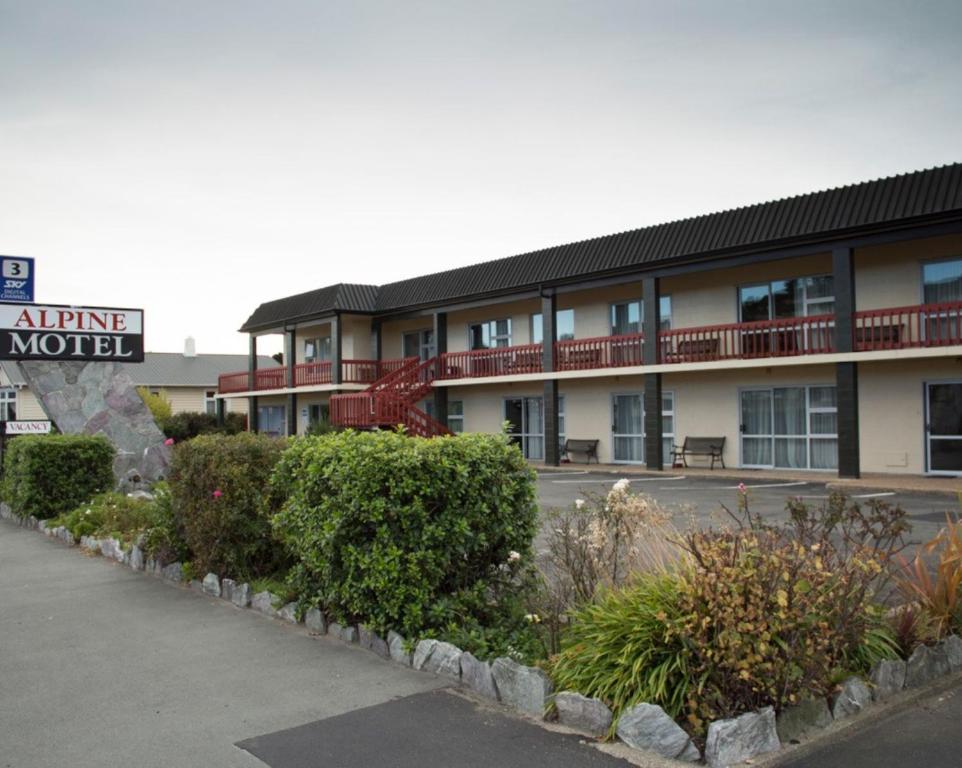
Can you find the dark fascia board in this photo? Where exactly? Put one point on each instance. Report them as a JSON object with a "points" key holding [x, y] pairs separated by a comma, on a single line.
{"points": [[301, 320], [933, 226]]}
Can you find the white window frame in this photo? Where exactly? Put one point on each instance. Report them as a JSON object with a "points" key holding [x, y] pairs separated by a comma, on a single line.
{"points": [[667, 438], [210, 402], [808, 436], [493, 335], [8, 400], [536, 322]]}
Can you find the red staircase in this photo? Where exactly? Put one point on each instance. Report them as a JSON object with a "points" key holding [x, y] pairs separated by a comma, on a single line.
{"points": [[390, 401]]}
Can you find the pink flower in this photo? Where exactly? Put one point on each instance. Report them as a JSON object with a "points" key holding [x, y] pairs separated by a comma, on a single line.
{"points": [[169, 441], [217, 493], [742, 488]]}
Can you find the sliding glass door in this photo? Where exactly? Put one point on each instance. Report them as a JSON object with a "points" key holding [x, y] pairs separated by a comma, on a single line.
{"points": [[628, 427], [943, 433], [789, 428], [525, 417]]}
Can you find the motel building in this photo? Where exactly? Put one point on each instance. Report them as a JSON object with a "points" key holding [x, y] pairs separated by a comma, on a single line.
{"points": [[819, 332]]}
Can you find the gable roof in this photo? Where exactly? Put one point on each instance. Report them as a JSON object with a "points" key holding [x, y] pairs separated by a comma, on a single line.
{"points": [[169, 369], [903, 200]]}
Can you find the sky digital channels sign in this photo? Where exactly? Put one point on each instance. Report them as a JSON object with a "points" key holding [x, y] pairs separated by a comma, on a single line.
{"points": [[57, 332], [16, 278]]}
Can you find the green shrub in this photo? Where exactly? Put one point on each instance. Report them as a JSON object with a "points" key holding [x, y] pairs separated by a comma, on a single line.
{"points": [[406, 533], [46, 475], [164, 536], [621, 650], [190, 424], [222, 501], [157, 404]]}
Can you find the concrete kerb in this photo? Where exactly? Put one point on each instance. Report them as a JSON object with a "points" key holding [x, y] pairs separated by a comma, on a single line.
{"points": [[391, 647]]}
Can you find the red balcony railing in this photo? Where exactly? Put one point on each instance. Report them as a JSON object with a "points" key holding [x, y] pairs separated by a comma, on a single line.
{"points": [[307, 375], [925, 325], [599, 352], [787, 337], [498, 361]]}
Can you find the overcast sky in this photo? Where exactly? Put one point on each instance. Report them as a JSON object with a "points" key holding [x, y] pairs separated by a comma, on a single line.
{"points": [[196, 158]]}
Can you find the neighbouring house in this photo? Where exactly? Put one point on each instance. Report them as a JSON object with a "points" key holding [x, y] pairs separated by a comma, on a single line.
{"points": [[821, 332], [188, 380]]}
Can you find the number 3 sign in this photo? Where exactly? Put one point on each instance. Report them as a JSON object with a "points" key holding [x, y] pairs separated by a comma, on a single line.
{"points": [[16, 279]]}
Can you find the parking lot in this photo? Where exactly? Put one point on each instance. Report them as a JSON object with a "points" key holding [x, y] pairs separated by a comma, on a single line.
{"points": [[700, 498]]}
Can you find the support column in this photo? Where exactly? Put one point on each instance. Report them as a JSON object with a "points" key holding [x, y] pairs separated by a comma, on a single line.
{"points": [[251, 381], [221, 408], [549, 334], [290, 360], [336, 349], [440, 347], [376, 341], [846, 374], [654, 427]]}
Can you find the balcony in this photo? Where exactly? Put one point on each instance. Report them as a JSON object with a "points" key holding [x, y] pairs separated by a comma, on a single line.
{"points": [[306, 375], [925, 325]]}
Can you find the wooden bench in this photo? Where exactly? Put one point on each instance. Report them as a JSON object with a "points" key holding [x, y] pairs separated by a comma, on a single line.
{"points": [[699, 446], [588, 447]]}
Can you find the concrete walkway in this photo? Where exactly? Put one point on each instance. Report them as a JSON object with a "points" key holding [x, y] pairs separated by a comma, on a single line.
{"points": [[102, 666]]}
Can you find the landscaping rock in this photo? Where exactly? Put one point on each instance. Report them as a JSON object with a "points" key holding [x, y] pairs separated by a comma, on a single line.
{"points": [[264, 603], [852, 699], [174, 572], [395, 644], [211, 585], [136, 558], [241, 595], [794, 723], [422, 652], [525, 688], [334, 629], [924, 665], [887, 678], [648, 726], [733, 741], [379, 646], [445, 660], [197, 585], [150, 566], [315, 622], [477, 676], [141, 494], [348, 635], [952, 646], [227, 589], [288, 613], [365, 637], [111, 548], [590, 716]]}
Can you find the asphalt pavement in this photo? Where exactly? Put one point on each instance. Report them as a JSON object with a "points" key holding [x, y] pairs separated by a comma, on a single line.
{"points": [[101, 666], [700, 498]]}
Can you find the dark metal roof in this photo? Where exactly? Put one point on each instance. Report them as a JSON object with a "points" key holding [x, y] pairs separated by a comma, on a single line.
{"points": [[896, 200], [343, 297]]}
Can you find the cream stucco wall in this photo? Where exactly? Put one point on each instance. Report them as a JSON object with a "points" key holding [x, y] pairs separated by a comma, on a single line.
{"points": [[891, 275]]}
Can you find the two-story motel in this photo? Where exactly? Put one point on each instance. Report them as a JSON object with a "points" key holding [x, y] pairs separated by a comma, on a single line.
{"points": [[817, 332]]}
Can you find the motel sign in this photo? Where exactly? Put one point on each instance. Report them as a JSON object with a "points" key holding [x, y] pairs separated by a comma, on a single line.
{"points": [[59, 332]]}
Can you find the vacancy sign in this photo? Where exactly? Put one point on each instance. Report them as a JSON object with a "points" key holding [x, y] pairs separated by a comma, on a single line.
{"points": [[16, 278], [32, 427], [56, 332]]}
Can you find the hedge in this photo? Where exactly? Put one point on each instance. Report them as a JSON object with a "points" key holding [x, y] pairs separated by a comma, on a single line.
{"points": [[47, 475], [405, 533], [222, 501], [189, 424]]}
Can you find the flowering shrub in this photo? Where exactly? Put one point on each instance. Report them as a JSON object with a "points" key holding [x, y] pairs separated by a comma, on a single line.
{"points": [[222, 502], [421, 536]]}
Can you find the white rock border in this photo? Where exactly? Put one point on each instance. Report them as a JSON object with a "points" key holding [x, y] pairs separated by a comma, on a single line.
{"points": [[528, 690]]}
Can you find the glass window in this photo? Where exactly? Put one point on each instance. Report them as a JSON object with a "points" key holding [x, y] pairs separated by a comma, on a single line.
{"points": [[565, 319], [790, 427], [792, 297], [456, 416], [317, 350], [8, 404], [419, 344], [625, 318], [664, 313], [210, 402], [942, 281], [489, 334]]}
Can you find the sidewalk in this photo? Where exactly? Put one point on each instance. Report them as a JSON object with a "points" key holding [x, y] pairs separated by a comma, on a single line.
{"points": [[949, 486]]}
